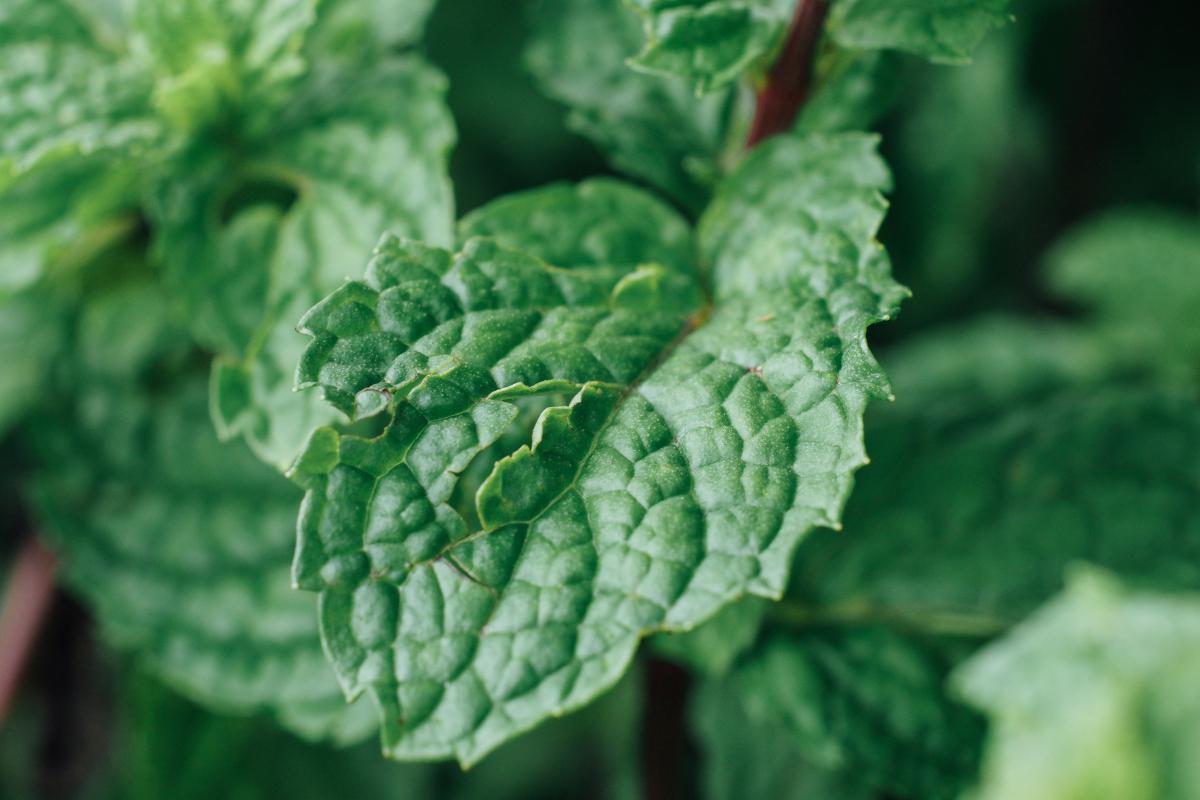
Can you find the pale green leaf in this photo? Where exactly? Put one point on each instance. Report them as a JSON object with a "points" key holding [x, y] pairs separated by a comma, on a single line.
{"points": [[699, 448], [64, 97], [247, 279], [360, 29], [1093, 697], [709, 43], [944, 31], [211, 57], [1138, 273], [650, 126]]}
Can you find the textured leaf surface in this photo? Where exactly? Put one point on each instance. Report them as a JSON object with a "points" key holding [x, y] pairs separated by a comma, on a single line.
{"points": [[709, 43], [696, 452], [247, 279], [866, 701], [1094, 696], [179, 544], [61, 93], [1139, 273], [945, 31], [650, 126], [965, 527]]}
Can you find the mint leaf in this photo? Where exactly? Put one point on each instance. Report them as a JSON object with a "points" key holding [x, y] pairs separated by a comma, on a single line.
{"points": [[944, 31], [1138, 272], [696, 451], [1092, 696], [248, 279], [965, 526], [64, 96], [866, 701], [358, 28], [709, 43], [650, 126], [755, 758], [184, 562], [211, 58]]}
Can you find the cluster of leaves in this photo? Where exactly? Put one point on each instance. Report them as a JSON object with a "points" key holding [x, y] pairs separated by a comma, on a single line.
{"points": [[584, 414]]}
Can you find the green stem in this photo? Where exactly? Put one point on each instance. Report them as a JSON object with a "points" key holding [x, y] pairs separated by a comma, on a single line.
{"points": [[967, 624]]}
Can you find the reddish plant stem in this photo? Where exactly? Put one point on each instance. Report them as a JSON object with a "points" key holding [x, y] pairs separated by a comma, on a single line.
{"points": [[790, 79], [26, 601]]}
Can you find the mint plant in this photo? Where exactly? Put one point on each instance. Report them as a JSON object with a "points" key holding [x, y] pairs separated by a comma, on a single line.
{"points": [[598, 484]]}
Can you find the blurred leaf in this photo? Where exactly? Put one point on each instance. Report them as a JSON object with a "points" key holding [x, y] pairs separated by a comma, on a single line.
{"points": [[944, 31], [713, 647], [865, 701], [749, 757], [709, 43], [1138, 272], [1093, 697], [650, 126]]}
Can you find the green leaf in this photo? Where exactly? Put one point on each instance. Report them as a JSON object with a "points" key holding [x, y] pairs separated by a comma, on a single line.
{"points": [[755, 757], [62, 95], [866, 701], [361, 28], [180, 544], [963, 525], [1094, 696], [709, 43], [943, 31], [217, 57], [247, 279], [167, 747], [32, 334], [650, 126], [697, 451], [1138, 271]]}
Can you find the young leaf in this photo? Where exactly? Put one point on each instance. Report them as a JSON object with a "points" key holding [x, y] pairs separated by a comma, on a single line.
{"points": [[944, 31], [710, 43], [650, 126], [246, 280], [701, 445], [1094, 696]]}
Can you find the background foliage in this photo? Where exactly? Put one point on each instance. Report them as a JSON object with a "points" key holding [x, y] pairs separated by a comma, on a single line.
{"points": [[210, 171]]}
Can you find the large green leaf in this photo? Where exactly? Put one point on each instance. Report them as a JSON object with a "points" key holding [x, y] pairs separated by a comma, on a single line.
{"points": [[709, 43], [180, 546], [649, 125], [864, 701], [965, 525], [702, 443], [246, 279], [1094, 696], [945, 31]]}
